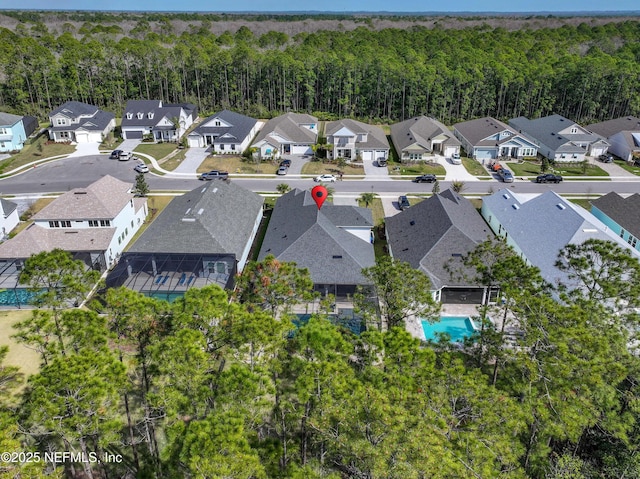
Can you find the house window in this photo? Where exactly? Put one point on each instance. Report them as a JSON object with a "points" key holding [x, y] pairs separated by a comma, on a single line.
{"points": [[217, 123], [61, 121], [221, 147], [126, 231], [233, 147], [64, 134], [105, 223], [150, 115], [622, 232], [65, 224], [129, 116], [93, 223], [132, 223], [54, 224], [140, 115], [3, 131], [574, 130], [632, 241], [119, 240]]}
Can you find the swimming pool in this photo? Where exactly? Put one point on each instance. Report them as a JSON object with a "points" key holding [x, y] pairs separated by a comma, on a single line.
{"points": [[457, 327]]}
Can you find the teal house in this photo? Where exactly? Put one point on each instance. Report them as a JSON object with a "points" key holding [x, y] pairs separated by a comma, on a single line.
{"points": [[620, 215], [14, 131]]}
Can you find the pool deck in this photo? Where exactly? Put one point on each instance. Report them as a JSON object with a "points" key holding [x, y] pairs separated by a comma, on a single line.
{"points": [[414, 324]]}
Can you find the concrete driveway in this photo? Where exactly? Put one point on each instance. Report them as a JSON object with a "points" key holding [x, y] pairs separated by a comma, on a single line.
{"points": [[129, 145], [86, 149], [454, 172], [372, 171], [613, 169], [193, 158]]}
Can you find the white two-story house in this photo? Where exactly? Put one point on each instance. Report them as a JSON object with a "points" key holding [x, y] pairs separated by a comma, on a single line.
{"points": [[157, 120], [80, 123], [354, 140], [93, 223]]}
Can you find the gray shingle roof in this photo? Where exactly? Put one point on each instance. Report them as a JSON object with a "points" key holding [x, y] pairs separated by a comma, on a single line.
{"points": [[217, 217], [36, 239], [477, 130], [611, 127], [437, 232], [7, 119], [103, 199], [375, 135], [624, 211], [546, 130], [74, 109], [98, 122], [299, 232], [145, 107], [241, 126], [542, 226], [288, 127], [420, 130], [8, 207]]}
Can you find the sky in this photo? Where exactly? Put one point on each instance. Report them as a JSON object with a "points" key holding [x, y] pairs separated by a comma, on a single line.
{"points": [[330, 5]]}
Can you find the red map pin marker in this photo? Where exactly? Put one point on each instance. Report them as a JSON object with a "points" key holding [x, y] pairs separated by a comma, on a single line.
{"points": [[319, 194]]}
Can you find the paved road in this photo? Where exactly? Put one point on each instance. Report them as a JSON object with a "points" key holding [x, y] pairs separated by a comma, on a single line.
{"points": [[63, 175]]}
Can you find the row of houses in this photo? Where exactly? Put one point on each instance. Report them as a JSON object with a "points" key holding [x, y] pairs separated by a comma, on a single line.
{"points": [[554, 137], [205, 237]]}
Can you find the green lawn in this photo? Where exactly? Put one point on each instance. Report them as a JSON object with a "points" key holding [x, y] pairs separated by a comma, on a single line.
{"points": [[156, 150], [26, 359], [38, 150], [528, 168], [417, 169], [320, 168], [474, 167], [236, 164], [585, 203]]}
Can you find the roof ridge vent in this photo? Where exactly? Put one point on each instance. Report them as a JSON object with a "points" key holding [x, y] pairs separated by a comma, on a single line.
{"points": [[561, 206], [505, 196], [515, 206]]}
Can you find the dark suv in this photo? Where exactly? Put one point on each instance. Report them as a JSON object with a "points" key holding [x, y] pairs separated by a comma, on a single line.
{"points": [[606, 158], [403, 202], [214, 174], [548, 178], [115, 155], [425, 179]]}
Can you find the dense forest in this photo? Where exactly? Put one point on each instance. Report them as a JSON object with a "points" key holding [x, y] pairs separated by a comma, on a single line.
{"points": [[586, 72], [218, 386]]}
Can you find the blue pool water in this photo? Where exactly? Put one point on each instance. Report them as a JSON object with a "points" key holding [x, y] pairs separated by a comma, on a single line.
{"points": [[458, 327]]}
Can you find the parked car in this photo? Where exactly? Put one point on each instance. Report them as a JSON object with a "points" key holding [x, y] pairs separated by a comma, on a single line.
{"points": [[606, 158], [282, 170], [213, 175], [286, 163], [425, 179], [141, 168], [125, 156], [403, 202], [329, 178], [381, 161], [548, 178], [505, 175], [115, 154], [455, 159]]}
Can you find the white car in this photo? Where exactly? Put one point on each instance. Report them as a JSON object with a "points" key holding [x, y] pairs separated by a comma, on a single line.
{"points": [[125, 156], [455, 159], [141, 168], [329, 178]]}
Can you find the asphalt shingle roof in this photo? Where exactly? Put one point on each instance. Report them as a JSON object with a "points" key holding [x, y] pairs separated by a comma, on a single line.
{"points": [[7, 119], [103, 199], [420, 130], [301, 233], [217, 217], [546, 130], [624, 211], [8, 207], [611, 127], [288, 127], [375, 135], [74, 109], [542, 226], [156, 107], [241, 126], [434, 234]]}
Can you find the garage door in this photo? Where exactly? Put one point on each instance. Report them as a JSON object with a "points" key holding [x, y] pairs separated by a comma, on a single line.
{"points": [[449, 151], [133, 135], [301, 150], [381, 154], [367, 155], [194, 141], [485, 154], [82, 137]]}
